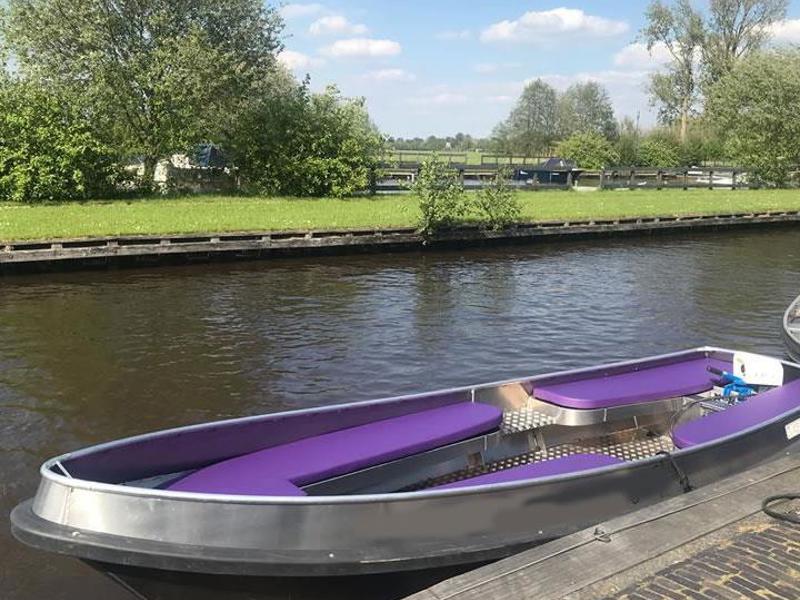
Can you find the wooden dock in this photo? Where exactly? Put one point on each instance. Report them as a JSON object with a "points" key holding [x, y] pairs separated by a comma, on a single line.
{"points": [[101, 252], [712, 543]]}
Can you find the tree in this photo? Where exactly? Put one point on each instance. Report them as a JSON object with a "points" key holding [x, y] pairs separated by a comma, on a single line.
{"points": [[532, 125], [590, 150], [586, 107], [679, 29], [755, 108], [157, 75], [736, 28], [48, 150]]}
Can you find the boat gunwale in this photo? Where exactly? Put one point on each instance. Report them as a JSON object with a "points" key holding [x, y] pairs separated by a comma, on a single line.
{"points": [[47, 473], [792, 338]]}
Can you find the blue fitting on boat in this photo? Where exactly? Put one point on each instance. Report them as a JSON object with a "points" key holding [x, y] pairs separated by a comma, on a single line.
{"points": [[731, 384]]}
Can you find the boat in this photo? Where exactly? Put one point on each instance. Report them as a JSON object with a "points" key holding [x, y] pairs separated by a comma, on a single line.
{"points": [[553, 171], [791, 329], [452, 477]]}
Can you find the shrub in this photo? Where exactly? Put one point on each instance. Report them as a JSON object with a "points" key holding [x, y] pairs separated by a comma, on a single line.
{"points": [[659, 151], [48, 149], [441, 196], [628, 149], [496, 205], [297, 143], [589, 150]]}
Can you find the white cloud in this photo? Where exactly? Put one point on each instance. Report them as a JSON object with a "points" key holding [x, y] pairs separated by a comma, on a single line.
{"points": [[297, 60], [536, 25], [637, 56], [390, 75], [298, 11], [787, 31], [502, 99], [362, 47], [454, 34], [441, 99], [336, 25], [489, 68]]}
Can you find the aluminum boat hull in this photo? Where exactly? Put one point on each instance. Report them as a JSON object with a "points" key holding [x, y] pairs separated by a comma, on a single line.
{"points": [[791, 329], [241, 536]]}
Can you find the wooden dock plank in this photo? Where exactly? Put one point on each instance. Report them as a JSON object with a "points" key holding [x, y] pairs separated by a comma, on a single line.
{"points": [[576, 563]]}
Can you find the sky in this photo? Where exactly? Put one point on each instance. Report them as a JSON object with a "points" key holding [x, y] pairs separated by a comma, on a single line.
{"points": [[442, 66]]}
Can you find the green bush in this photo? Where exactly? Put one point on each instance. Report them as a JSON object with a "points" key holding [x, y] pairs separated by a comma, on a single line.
{"points": [[48, 149], [441, 196], [659, 151], [589, 150], [496, 205], [628, 149], [701, 145], [302, 144]]}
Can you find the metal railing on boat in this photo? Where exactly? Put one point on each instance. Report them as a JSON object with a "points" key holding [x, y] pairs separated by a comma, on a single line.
{"points": [[791, 329]]}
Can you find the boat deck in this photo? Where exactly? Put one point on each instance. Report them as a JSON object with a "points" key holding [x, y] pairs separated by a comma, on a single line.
{"points": [[712, 543], [618, 446]]}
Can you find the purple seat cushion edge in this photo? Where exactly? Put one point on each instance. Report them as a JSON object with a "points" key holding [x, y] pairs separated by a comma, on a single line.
{"points": [[633, 387], [759, 409], [557, 466], [237, 483], [328, 455]]}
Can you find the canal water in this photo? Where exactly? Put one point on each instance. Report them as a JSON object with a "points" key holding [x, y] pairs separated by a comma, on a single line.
{"points": [[89, 357]]}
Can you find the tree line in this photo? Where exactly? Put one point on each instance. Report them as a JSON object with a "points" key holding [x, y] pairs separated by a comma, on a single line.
{"points": [[90, 85], [724, 94]]}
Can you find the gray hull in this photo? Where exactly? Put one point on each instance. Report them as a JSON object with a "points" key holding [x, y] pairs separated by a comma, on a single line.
{"points": [[791, 329], [150, 528]]}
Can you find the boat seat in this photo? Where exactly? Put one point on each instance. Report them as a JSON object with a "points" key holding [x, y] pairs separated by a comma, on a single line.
{"points": [[321, 457], [557, 466], [643, 385], [758, 409]]}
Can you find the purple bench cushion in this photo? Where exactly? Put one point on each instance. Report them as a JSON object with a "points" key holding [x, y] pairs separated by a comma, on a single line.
{"points": [[557, 466], [644, 385], [759, 409], [317, 458], [236, 482]]}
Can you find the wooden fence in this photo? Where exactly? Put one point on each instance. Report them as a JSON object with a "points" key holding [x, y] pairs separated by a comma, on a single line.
{"points": [[672, 178]]}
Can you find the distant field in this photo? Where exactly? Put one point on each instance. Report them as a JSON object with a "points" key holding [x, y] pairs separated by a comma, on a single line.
{"points": [[198, 214]]}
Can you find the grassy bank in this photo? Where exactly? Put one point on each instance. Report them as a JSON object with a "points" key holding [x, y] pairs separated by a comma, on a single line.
{"points": [[220, 213]]}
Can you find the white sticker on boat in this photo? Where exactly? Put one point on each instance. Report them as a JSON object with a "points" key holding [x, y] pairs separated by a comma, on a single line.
{"points": [[757, 370], [793, 429]]}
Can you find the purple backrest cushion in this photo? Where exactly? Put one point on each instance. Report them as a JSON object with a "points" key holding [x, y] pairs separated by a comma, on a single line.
{"points": [[557, 466], [758, 409], [644, 385], [320, 457]]}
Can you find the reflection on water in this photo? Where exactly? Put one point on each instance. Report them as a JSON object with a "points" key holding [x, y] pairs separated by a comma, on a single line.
{"points": [[87, 357]]}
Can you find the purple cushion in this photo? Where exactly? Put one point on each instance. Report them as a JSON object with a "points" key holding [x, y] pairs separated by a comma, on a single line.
{"points": [[644, 385], [234, 481], [317, 458], [556, 466], [759, 409]]}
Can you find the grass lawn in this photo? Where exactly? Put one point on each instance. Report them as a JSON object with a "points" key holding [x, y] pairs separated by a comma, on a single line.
{"points": [[199, 214]]}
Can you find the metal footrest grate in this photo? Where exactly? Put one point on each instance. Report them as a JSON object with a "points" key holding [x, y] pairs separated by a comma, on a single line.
{"points": [[627, 451], [524, 420]]}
